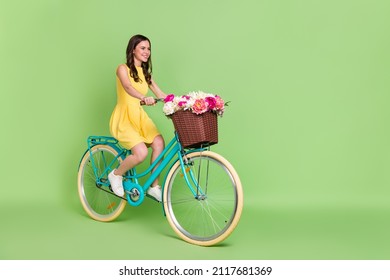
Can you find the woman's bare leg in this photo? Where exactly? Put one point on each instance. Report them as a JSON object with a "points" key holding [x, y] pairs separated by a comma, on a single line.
{"points": [[157, 146], [138, 154]]}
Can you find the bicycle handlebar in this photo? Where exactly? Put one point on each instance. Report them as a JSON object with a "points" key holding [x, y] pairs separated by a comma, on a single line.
{"points": [[155, 101]]}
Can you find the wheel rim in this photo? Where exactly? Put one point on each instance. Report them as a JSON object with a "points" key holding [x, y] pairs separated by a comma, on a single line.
{"points": [[98, 200], [205, 219]]}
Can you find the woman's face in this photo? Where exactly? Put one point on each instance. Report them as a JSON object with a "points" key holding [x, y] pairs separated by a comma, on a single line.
{"points": [[141, 53]]}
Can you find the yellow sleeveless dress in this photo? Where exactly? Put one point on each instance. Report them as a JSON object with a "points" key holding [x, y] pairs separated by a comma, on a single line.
{"points": [[129, 123]]}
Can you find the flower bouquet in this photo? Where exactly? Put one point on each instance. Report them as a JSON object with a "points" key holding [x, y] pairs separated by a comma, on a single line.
{"points": [[197, 102], [194, 116]]}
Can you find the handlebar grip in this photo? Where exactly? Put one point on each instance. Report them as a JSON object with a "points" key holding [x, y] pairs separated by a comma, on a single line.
{"points": [[142, 103]]}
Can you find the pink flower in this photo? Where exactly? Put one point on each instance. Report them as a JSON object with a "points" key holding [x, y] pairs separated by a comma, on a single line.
{"points": [[199, 106], [169, 98], [219, 103], [182, 103], [211, 102]]}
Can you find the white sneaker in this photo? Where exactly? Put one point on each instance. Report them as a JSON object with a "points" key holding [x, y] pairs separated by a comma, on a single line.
{"points": [[116, 183], [155, 192]]}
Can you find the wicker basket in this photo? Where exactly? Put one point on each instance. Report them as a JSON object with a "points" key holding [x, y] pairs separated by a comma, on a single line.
{"points": [[196, 130]]}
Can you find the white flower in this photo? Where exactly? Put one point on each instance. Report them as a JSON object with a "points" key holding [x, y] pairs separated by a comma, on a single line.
{"points": [[169, 108]]}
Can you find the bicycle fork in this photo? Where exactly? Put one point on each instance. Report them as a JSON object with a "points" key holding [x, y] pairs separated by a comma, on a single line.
{"points": [[192, 179]]}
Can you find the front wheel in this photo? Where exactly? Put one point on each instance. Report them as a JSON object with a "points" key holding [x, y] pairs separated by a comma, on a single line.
{"points": [[209, 213], [96, 197]]}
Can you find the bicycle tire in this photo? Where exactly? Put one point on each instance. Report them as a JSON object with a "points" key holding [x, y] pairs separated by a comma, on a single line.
{"points": [[98, 201], [207, 221]]}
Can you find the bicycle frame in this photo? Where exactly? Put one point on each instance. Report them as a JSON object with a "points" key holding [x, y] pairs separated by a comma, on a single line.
{"points": [[173, 151]]}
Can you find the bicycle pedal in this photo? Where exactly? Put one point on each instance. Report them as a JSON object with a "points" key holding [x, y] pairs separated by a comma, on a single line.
{"points": [[133, 192]]}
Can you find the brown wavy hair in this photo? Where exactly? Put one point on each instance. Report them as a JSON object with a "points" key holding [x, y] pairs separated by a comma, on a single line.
{"points": [[146, 66]]}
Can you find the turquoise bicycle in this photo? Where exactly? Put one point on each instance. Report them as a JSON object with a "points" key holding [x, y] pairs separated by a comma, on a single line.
{"points": [[202, 192]]}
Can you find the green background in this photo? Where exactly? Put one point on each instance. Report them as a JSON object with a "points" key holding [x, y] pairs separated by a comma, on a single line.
{"points": [[306, 129]]}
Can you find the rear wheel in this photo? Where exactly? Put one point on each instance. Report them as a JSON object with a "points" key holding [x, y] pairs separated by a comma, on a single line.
{"points": [[96, 196], [209, 216]]}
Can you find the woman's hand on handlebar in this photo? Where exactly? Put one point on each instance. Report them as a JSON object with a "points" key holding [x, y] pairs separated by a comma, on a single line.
{"points": [[148, 101]]}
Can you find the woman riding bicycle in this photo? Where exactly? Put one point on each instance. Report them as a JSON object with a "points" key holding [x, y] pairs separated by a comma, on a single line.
{"points": [[129, 123]]}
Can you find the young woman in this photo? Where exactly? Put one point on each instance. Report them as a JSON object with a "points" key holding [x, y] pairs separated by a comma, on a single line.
{"points": [[129, 123]]}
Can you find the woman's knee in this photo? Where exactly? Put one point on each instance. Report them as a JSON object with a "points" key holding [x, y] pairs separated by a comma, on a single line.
{"points": [[158, 143], [140, 152]]}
